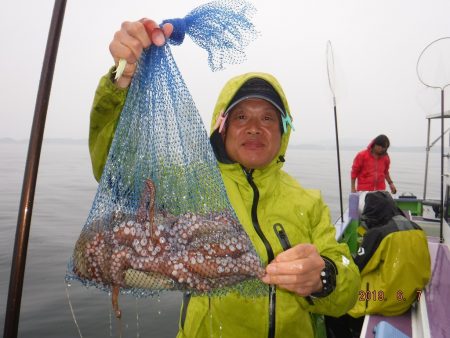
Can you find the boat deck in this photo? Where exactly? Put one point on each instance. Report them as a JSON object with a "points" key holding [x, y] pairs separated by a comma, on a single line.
{"points": [[403, 323]]}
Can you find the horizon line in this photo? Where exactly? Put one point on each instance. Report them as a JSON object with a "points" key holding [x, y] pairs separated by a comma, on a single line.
{"points": [[318, 144]]}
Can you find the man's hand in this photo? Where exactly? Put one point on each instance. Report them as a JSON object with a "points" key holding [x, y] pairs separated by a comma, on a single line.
{"points": [[297, 270], [393, 188], [130, 41]]}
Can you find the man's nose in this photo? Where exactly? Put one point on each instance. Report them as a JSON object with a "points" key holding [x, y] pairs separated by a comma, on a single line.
{"points": [[253, 126]]}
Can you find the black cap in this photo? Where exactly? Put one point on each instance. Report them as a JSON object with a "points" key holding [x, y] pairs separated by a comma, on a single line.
{"points": [[259, 89]]}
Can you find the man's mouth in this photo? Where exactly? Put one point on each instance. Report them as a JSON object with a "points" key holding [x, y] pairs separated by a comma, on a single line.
{"points": [[253, 144]]}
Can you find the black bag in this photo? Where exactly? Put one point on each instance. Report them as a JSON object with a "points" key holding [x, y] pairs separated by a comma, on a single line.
{"points": [[379, 208], [373, 237]]}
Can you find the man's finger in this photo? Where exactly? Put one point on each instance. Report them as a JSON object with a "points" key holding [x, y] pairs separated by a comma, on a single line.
{"points": [[134, 36], [149, 25], [297, 267], [120, 51], [156, 34], [286, 268], [158, 37], [304, 279], [167, 29], [297, 252]]}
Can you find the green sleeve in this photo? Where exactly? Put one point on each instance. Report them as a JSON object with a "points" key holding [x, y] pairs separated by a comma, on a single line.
{"points": [[348, 279], [108, 103]]}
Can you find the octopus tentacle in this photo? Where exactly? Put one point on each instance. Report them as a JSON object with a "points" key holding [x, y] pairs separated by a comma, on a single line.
{"points": [[191, 226], [115, 301], [120, 262], [233, 247], [148, 195], [211, 267], [127, 231], [197, 252]]}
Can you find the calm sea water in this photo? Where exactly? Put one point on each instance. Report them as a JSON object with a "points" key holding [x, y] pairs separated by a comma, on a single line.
{"points": [[64, 193]]}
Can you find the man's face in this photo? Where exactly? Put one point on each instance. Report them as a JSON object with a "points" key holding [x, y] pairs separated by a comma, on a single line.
{"points": [[253, 137], [379, 150]]}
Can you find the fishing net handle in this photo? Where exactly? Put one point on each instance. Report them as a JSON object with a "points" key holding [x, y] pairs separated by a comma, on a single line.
{"points": [[330, 68], [418, 62]]}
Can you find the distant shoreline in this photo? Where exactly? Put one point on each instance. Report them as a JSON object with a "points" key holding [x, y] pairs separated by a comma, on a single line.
{"points": [[46, 140], [357, 148], [320, 146]]}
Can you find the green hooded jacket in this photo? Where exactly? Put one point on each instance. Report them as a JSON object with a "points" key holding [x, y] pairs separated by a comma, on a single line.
{"points": [[281, 200]]}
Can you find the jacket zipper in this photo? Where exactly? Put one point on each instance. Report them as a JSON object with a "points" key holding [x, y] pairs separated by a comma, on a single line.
{"points": [[376, 174], [270, 255], [367, 299], [186, 300], [285, 244], [282, 236]]}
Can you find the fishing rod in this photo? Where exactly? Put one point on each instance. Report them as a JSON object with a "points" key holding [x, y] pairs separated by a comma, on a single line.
{"points": [[330, 69], [441, 87], [31, 170]]}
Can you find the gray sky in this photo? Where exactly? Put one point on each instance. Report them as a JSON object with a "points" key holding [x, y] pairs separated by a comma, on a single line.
{"points": [[376, 46]]}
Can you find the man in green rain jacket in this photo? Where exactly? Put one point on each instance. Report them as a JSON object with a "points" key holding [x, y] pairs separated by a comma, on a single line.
{"points": [[307, 270]]}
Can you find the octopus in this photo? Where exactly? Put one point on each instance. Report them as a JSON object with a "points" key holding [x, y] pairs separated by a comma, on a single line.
{"points": [[186, 252]]}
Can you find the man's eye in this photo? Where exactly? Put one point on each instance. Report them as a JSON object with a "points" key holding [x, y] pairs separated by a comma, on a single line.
{"points": [[241, 116]]}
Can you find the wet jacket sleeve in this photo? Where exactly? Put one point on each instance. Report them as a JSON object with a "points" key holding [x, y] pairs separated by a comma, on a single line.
{"points": [[356, 167], [388, 164], [348, 280], [105, 112]]}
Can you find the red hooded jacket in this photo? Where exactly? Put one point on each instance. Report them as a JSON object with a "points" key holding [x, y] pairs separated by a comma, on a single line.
{"points": [[370, 172]]}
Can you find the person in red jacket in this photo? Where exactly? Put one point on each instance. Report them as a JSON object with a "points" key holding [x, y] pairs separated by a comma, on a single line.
{"points": [[370, 167]]}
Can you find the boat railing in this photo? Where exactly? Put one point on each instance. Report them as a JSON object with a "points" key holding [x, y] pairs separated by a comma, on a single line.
{"points": [[346, 227], [431, 144]]}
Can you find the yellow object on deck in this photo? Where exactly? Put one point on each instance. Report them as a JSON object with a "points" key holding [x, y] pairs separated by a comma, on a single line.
{"points": [[394, 276]]}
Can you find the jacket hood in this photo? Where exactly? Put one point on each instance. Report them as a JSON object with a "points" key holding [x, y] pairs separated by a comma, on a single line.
{"points": [[230, 89]]}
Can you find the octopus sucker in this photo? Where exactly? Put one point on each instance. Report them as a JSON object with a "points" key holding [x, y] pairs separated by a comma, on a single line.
{"points": [[155, 249]]}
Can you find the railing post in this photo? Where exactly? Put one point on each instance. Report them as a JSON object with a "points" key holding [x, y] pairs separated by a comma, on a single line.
{"points": [[31, 170]]}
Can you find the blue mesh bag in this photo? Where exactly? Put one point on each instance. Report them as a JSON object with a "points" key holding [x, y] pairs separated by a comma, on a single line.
{"points": [[161, 218]]}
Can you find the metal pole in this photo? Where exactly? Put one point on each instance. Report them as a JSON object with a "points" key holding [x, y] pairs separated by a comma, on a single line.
{"points": [[441, 235], [330, 73], [426, 162], [338, 159], [31, 170]]}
